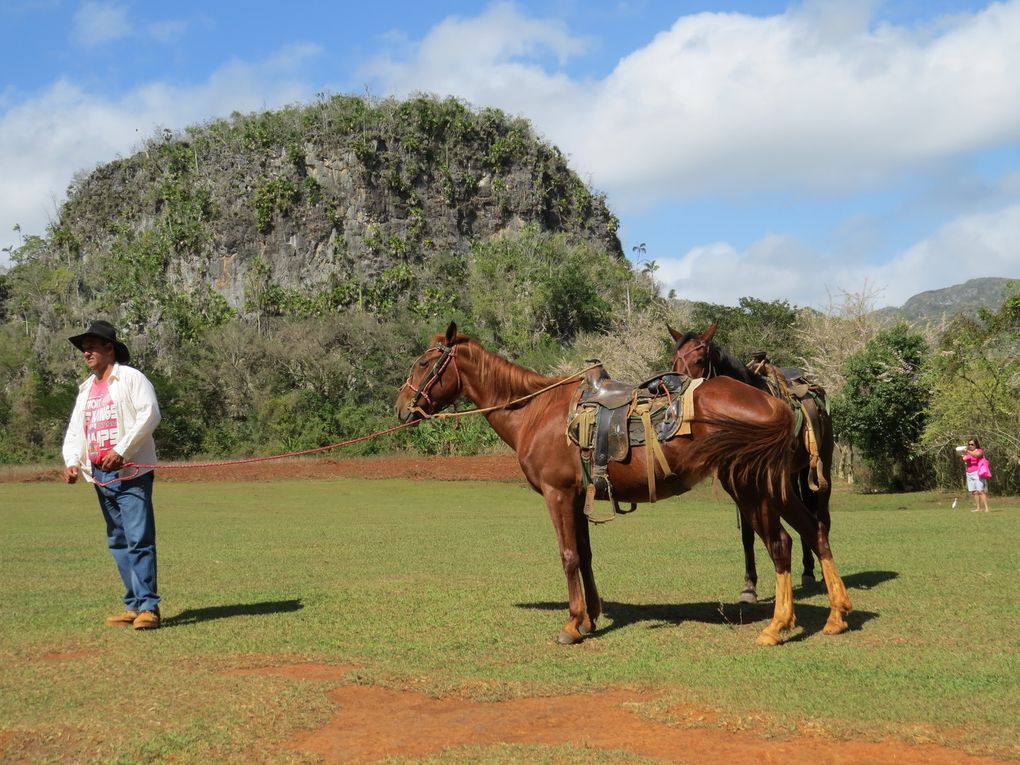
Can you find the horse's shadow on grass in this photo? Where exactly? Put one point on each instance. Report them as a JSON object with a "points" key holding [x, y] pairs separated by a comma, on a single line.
{"points": [[865, 580], [810, 618], [195, 615]]}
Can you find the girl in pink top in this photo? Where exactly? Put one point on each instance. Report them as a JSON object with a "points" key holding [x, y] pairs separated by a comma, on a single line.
{"points": [[975, 483]]}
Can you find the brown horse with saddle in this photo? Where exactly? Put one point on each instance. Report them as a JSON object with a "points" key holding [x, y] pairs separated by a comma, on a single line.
{"points": [[731, 430], [696, 355]]}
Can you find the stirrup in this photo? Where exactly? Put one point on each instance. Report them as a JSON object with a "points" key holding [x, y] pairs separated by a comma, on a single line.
{"points": [[589, 507]]}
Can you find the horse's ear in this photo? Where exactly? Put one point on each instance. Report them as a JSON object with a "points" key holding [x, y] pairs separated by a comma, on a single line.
{"points": [[676, 335], [451, 333], [709, 333]]}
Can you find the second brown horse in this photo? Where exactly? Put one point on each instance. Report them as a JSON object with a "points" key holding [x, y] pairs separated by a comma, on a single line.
{"points": [[695, 354], [738, 433]]}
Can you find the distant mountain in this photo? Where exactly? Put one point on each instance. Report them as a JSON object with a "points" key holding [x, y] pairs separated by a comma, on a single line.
{"points": [[966, 298]]}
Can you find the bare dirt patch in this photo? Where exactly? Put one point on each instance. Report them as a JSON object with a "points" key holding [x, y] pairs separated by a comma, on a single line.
{"points": [[375, 723], [502, 467]]}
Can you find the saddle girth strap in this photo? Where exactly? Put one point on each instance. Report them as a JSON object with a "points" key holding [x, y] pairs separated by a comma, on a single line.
{"points": [[688, 406], [652, 449]]}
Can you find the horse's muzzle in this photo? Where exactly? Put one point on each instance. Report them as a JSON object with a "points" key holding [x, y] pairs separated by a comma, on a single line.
{"points": [[405, 413]]}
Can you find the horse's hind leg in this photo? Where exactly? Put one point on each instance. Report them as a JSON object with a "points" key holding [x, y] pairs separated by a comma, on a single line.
{"points": [[814, 529], [839, 600], [838, 597], [764, 521], [779, 545]]}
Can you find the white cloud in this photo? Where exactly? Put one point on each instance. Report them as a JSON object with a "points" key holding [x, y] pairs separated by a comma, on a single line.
{"points": [[494, 59], [725, 102], [774, 268], [98, 23], [979, 244], [63, 130], [783, 268]]}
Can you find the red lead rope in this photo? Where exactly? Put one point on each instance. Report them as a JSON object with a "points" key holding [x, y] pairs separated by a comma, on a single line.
{"points": [[250, 460], [424, 416]]}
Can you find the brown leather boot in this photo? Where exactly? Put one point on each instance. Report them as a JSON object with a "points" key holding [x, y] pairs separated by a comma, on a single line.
{"points": [[146, 620], [122, 620]]}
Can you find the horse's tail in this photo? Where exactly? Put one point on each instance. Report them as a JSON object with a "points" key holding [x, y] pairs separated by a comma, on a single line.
{"points": [[749, 453]]}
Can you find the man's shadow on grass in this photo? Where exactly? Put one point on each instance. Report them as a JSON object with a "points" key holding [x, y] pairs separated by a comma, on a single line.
{"points": [[810, 618], [195, 615]]}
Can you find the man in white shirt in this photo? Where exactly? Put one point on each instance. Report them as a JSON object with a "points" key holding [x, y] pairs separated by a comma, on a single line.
{"points": [[109, 441]]}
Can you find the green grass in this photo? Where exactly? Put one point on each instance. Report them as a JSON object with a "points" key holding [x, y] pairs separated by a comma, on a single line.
{"points": [[456, 588]]}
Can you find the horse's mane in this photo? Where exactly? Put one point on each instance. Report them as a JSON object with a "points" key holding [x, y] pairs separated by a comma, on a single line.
{"points": [[728, 366], [506, 380]]}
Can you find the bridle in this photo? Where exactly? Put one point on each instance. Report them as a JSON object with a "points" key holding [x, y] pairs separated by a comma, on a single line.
{"points": [[681, 358], [447, 356]]}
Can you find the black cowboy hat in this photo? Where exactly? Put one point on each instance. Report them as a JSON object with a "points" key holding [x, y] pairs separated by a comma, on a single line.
{"points": [[104, 331]]}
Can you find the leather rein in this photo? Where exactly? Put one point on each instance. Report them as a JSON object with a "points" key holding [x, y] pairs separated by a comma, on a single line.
{"points": [[447, 357]]}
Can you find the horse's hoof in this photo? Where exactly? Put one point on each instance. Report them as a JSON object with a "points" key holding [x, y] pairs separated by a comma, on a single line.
{"points": [[566, 638], [835, 625], [767, 638], [587, 629], [749, 596], [808, 580]]}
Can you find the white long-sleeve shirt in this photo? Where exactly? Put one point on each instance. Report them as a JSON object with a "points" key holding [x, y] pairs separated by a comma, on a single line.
{"points": [[137, 416]]}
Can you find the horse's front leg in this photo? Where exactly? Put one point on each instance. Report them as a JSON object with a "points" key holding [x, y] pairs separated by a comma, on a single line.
{"points": [[561, 506], [807, 579], [750, 592], [813, 500]]}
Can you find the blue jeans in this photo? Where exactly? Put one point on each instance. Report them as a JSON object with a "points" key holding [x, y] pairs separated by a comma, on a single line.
{"points": [[131, 535]]}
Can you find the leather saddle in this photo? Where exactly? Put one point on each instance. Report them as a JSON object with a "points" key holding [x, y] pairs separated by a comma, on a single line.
{"points": [[607, 417], [808, 401]]}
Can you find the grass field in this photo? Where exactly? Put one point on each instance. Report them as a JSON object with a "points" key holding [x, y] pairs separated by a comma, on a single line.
{"points": [[454, 588]]}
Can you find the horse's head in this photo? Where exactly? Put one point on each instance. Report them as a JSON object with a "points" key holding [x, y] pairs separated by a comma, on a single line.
{"points": [[434, 381], [693, 353]]}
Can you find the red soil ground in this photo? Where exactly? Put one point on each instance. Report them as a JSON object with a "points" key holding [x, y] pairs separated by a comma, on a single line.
{"points": [[484, 468], [376, 723]]}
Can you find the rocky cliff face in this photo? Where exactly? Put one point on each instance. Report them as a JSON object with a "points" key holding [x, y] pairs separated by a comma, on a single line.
{"points": [[339, 201]]}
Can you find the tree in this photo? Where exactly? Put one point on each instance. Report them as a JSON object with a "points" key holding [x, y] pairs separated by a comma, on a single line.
{"points": [[831, 337], [634, 348], [532, 290], [756, 325], [882, 407], [974, 375]]}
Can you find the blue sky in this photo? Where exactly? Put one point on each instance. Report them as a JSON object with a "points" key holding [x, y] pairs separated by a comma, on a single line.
{"points": [[779, 150]]}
